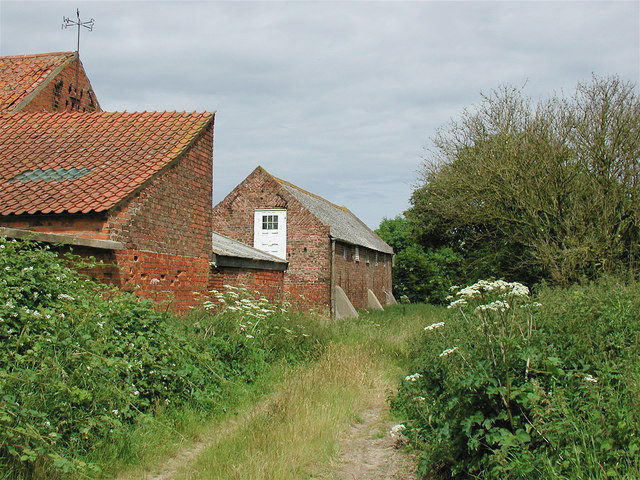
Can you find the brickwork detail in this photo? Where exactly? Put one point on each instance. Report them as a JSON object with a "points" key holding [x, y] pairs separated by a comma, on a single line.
{"points": [[163, 277], [69, 90], [172, 213], [269, 283]]}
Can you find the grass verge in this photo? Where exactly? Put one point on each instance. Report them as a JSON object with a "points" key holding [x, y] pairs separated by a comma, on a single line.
{"points": [[293, 433]]}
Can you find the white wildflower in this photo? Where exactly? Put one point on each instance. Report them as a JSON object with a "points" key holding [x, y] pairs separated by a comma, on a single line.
{"points": [[461, 302], [433, 326], [497, 306], [64, 296], [448, 351], [115, 411], [397, 430], [413, 378], [590, 378]]}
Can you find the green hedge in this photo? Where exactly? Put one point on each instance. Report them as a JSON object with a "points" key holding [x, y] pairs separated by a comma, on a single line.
{"points": [[509, 386], [81, 361]]}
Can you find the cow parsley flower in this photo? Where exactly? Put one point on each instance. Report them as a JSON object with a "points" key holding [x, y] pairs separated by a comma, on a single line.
{"points": [[448, 351], [461, 302], [433, 326], [413, 378], [497, 306]]}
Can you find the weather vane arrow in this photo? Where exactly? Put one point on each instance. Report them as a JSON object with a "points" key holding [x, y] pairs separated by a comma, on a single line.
{"points": [[68, 22]]}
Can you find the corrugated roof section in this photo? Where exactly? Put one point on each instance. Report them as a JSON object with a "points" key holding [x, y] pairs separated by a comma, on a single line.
{"points": [[232, 248], [86, 162], [22, 74], [343, 225]]}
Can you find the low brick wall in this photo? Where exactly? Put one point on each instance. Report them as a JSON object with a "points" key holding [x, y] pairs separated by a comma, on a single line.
{"points": [[270, 283]]}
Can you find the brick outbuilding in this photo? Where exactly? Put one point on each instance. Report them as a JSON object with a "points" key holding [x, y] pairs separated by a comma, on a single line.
{"points": [[328, 249], [133, 189]]}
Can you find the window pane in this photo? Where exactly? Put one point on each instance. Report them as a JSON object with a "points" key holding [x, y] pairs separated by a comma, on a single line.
{"points": [[269, 222]]}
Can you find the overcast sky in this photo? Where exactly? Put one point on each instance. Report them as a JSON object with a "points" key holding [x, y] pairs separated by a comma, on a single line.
{"points": [[338, 97]]}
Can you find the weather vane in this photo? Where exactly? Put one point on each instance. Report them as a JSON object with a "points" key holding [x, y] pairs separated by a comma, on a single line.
{"points": [[67, 22]]}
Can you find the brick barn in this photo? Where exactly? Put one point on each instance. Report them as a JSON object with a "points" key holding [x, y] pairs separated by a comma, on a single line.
{"points": [[132, 189], [332, 256], [135, 190]]}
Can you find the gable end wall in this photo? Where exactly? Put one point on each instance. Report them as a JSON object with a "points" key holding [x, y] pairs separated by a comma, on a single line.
{"points": [[63, 93], [307, 281], [166, 229]]}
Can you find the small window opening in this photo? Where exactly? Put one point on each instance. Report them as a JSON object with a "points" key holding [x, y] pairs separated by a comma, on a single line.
{"points": [[356, 255], [270, 222]]}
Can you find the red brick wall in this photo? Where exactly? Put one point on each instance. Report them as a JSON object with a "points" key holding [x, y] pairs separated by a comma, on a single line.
{"points": [[163, 277], [357, 277], [308, 279], [67, 91], [166, 228], [270, 283], [77, 224]]}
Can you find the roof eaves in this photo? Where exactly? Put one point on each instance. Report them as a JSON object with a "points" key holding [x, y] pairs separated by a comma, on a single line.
{"points": [[239, 262]]}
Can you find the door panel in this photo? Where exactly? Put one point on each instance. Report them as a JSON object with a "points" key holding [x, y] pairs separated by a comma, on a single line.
{"points": [[270, 232]]}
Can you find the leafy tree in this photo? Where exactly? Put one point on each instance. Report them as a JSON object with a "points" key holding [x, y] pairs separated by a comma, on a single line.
{"points": [[537, 191], [396, 232], [422, 276]]}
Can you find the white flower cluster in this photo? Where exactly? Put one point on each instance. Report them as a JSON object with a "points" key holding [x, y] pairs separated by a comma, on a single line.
{"points": [[448, 351], [461, 302], [433, 326], [413, 378], [241, 300], [483, 287], [396, 430], [497, 306], [591, 379]]}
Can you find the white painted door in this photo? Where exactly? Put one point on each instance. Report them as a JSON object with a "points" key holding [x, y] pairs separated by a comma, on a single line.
{"points": [[270, 232]]}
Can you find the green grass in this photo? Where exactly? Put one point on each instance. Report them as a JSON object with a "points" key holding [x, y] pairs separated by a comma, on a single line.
{"points": [[292, 432]]}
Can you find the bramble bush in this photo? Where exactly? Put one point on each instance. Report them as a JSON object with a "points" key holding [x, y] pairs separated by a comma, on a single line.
{"points": [[82, 361], [507, 386]]}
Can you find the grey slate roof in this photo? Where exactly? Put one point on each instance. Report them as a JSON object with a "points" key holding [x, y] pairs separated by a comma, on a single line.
{"points": [[227, 247], [343, 225]]}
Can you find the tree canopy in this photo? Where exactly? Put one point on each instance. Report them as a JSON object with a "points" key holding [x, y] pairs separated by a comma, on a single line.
{"points": [[531, 191]]}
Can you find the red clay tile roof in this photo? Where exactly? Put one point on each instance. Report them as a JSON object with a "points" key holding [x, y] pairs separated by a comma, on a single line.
{"points": [[22, 74], [86, 162]]}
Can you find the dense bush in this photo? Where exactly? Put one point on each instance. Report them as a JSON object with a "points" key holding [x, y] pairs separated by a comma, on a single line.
{"points": [[420, 275], [80, 361], [506, 387]]}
